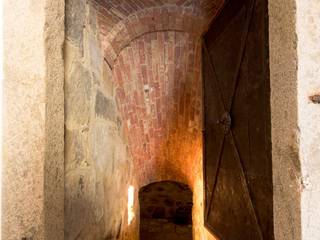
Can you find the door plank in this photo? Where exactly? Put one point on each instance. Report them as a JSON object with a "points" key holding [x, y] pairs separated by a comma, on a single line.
{"points": [[237, 147]]}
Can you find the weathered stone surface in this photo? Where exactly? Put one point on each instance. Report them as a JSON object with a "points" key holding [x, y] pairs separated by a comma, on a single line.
{"points": [[79, 200], [71, 55], [103, 141], [32, 173], [77, 152], [285, 157], [107, 85], [78, 95], [98, 167], [95, 54], [104, 107], [75, 19], [92, 19]]}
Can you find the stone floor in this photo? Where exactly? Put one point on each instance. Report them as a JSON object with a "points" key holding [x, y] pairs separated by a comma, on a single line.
{"points": [[162, 229]]}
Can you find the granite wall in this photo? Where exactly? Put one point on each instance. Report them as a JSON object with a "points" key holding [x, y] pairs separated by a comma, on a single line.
{"points": [[98, 166], [284, 119], [32, 161]]}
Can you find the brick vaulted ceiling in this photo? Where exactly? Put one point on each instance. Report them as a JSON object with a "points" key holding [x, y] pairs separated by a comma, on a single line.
{"points": [[153, 48]]}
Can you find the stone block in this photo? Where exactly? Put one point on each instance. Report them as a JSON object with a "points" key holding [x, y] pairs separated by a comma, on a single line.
{"points": [[105, 107], [77, 95], [75, 20], [107, 83], [71, 54], [93, 53], [92, 18], [76, 152], [102, 141], [79, 201]]}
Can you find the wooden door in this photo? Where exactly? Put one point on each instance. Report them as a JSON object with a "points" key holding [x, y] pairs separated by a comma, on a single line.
{"points": [[237, 145]]}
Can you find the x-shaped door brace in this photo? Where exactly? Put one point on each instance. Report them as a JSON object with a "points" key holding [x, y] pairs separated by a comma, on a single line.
{"points": [[225, 120]]}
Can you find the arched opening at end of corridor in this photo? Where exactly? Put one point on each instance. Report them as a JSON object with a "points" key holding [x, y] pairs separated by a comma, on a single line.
{"points": [[165, 211]]}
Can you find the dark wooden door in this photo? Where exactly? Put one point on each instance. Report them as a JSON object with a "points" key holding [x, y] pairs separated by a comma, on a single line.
{"points": [[237, 156]]}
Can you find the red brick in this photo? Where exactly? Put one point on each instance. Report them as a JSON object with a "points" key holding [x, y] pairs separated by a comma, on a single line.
{"points": [[169, 62]]}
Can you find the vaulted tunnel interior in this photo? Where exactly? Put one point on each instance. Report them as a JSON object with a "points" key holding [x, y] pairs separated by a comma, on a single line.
{"points": [[103, 97], [136, 68], [143, 61]]}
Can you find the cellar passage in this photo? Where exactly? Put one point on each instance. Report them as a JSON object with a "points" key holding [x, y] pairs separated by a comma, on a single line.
{"points": [[165, 211], [102, 97]]}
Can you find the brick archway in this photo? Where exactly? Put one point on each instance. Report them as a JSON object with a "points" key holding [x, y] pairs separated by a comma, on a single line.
{"points": [[165, 211], [153, 49]]}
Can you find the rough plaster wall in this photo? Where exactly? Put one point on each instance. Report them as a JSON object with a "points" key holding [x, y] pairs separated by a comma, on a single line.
{"points": [[308, 33], [33, 127], [98, 168], [54, 34], [283, 77]]}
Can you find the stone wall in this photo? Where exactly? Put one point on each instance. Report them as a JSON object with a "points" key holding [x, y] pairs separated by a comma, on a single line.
{"points": [[284, 119], [32, 184], [98, 166]]}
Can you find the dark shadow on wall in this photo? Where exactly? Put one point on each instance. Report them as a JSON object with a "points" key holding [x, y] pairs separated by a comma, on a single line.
{"points": [[165, 211]]}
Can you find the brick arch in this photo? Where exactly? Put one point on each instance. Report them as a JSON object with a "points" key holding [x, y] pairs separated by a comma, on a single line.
{"points": [[154, 53], [158, 90], [166, 211], [120, 22], [115, 11], [153, 49], [169, 195], [161, 19]]}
